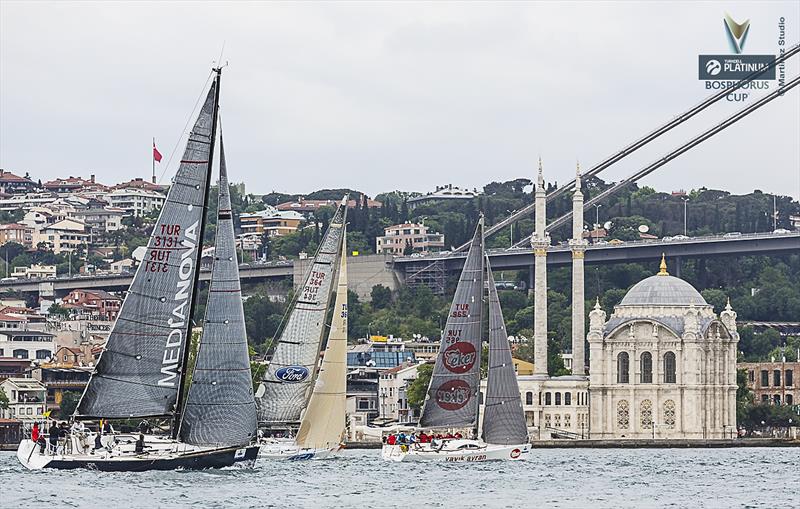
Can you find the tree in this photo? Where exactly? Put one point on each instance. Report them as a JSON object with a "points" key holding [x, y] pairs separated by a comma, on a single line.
{"points": [[58, 310], [381, 297], [3, 399], [418, 389], [69, 402]]}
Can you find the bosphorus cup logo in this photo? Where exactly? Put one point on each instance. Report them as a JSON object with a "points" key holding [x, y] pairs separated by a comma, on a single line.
{"points": [[737, 33]]}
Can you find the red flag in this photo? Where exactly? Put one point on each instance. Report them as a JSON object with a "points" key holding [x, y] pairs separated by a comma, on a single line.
{"points": [[156, 153]]}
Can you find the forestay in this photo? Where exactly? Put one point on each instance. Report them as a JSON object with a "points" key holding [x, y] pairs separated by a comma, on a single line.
{"points": [[503, 416], [452, 399], [220, 409], [323, 423], [139, 372], [289, 377]]}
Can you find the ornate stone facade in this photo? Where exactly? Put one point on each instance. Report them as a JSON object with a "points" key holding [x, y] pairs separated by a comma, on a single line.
{"points": [[663, 365]]}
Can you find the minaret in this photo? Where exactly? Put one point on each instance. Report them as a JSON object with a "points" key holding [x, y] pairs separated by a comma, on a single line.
{"points": [[540, 241], [578, 247]]}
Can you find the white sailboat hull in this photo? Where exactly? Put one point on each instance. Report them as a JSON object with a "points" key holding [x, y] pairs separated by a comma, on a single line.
{"points": [[160, 453], [288, 450], [457, 450]]}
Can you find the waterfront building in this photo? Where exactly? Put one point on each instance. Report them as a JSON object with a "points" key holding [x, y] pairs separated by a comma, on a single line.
{"points": [[14, 184], [773, 382], [58, 378], [362, 400], [35, 272], [443, 193], [11, 367], [62, 236], [663, 365], [392, 393], [95, 304], [270, 222], [26, 344], [137, 201], [26, 399], [397, 238], [15, 232], [104, 220], [309, 207]]}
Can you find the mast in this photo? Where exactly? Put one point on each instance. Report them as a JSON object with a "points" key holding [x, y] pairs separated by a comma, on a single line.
{"points": [[179, 404], [480, 350]]}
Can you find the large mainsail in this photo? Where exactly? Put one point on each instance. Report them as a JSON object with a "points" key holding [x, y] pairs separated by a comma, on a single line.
{"points": [[323, 423], [220, 409], [452, 399], [503, 417], [291, 371], [140, 370]]}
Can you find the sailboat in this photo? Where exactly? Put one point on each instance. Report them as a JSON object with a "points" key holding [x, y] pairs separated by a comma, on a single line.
{"points": [[453, 399], [322, 427], [143, 370]]}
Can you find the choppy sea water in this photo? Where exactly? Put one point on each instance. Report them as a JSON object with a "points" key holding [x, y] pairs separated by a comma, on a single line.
{"points": [[571, 478]]}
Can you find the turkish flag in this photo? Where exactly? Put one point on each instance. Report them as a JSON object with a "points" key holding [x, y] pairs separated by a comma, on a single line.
{"points": [[156, 153]]}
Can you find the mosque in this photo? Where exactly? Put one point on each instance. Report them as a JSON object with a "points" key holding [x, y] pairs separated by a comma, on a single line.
{"points": [[663, 365]]}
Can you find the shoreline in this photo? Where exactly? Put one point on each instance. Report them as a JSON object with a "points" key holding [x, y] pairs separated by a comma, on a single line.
{"points": [[636, 444]]}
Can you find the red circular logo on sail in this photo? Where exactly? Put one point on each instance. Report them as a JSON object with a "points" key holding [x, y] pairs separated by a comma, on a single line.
{"points": [[515, 453], [453, 394], [460, 357]]}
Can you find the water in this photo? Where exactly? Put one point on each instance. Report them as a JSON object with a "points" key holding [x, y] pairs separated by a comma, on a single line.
{"points": [[573, 478]]}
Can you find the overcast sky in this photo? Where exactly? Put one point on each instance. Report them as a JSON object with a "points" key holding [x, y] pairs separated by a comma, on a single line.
{"points": [[388, 96]]}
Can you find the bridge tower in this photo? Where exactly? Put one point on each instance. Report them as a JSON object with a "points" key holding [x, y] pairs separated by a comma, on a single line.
{"points": [[540, 242]]}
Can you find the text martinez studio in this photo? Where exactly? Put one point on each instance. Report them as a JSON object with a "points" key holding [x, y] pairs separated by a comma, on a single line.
{"points": [[724, 71]]}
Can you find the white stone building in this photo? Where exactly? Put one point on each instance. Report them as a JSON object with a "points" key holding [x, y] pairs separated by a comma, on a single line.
{"points": [[392, 393], [137, 202], [663, 365], [26, 399]]}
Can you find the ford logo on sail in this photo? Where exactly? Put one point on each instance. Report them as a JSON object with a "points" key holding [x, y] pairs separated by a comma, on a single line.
{"points": [[292, 374]]}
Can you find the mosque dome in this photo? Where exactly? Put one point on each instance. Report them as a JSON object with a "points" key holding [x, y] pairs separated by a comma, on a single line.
{"points": [[662, 291]]}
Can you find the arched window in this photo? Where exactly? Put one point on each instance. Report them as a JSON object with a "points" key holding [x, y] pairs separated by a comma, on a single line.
{"points": [[540, 399], [558, 398], [646, 366], [669, 368], [623, 365], [21, 353], [43, 354], [529, 398], [789, 399], [623, 415], [548, 399], [567, 398], [647, 414], [669, 414]]}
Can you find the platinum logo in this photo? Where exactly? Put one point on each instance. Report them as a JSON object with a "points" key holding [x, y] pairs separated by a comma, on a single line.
{"points": [[713, 67]]}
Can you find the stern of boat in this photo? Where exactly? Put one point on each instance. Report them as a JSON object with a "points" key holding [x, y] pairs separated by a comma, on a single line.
{"points": [[28, 454]]}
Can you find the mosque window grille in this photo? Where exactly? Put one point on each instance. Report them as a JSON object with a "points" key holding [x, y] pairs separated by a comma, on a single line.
{"points": [[546, 420], [669, 414], [670, 368], [646, 366], [646, 414], [557, 420], [567, 421], [623, 368], [623, 414]]}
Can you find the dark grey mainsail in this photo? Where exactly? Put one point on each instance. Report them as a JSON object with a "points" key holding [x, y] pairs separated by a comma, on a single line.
{"points": [[140, 370], [291, 372], [452, 399], [503, 417], [220, 409]]}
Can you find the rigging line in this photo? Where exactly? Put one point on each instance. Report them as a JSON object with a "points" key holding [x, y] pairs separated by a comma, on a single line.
{"points": [[675, 153], [629, 149], [186, 126]]}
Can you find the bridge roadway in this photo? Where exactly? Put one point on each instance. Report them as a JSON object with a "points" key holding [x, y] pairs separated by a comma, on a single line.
{"points": [[634, 251], [501, 259]]}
